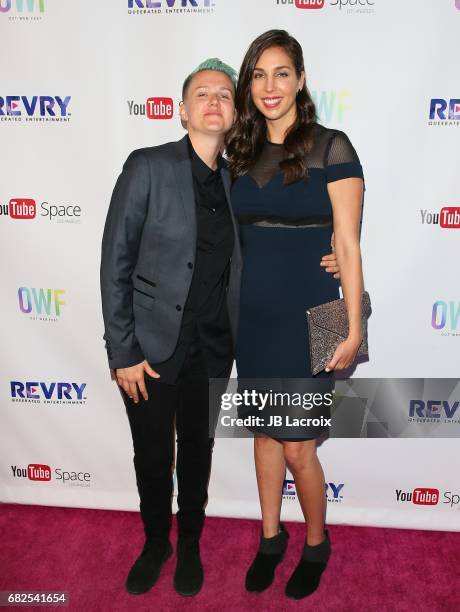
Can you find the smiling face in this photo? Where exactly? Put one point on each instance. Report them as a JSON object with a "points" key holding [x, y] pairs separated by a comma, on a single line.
{"points": [[208, 106], [275, 84]]}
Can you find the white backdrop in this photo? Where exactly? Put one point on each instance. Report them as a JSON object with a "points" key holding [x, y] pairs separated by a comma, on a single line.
{"points": [[373, 66]]}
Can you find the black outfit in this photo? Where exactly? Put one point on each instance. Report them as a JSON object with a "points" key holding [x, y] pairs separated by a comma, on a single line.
{"points": [[204, 350], [285, 230], [205, 321]]}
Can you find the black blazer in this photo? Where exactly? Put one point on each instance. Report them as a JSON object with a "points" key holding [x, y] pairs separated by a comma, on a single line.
{"points": [[149, 240]]}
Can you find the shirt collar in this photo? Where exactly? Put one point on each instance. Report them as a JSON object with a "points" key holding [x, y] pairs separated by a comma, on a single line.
{"points": [[201, 170]]}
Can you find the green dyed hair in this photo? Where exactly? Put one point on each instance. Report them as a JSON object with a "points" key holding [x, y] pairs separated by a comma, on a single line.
{"points": [[213, 63]]}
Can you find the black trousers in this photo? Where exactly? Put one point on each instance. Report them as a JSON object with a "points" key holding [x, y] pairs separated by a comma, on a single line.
{"points": [[182, 407]]}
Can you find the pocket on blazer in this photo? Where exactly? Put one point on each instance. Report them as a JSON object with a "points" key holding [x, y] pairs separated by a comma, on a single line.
{"points": [[143, 299]]}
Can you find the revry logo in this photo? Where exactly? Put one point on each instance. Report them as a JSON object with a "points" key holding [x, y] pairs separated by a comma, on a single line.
{"points": [[442, 311], [169, 3], [40, 300], [5, 5], [335, 489], [47, 391], [431, 409], [438, 107], [16, 106], [289, 489]]}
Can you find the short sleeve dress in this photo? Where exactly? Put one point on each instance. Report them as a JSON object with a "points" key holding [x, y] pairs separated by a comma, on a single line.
{"points": [[284, 231]]}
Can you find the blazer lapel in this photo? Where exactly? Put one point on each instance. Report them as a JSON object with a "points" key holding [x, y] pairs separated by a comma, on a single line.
{"points": [[226, 181], [183, 172]]}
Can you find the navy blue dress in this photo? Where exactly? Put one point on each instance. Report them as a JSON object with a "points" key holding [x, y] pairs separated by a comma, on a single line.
{"points": [[285, 230]]}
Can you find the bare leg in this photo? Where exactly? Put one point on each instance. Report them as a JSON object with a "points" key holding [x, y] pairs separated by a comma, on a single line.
{"points": [[270, 472], [308, 475]]}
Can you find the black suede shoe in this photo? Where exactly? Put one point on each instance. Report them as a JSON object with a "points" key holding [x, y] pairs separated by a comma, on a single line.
{"points": [[307, 575], [189, 576], [146, 569], [262, 571]]}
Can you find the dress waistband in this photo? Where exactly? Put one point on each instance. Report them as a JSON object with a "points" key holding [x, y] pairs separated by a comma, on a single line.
{"points": [[274, 221]]}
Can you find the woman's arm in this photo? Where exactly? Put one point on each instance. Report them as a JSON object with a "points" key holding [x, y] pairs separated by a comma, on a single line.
{"points": [[346, 197]]}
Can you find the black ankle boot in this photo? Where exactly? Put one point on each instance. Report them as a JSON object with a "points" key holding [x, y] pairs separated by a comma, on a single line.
{"points": [[146, 569], [189, 575], [262, 571], [307, 575]]}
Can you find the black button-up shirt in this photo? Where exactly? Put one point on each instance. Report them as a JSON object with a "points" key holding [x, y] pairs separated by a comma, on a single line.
{"points": [[205, 321]]}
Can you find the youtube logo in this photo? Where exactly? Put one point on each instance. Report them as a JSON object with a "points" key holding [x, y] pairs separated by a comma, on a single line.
{"points": [[420, 496], [425, 497], [22, 208], [309, 4], [159, 108], [450, 217], [34, 471], [37, 471]]}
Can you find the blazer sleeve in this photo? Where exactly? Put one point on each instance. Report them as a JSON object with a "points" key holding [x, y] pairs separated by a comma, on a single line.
{"points": [[120, 246]]}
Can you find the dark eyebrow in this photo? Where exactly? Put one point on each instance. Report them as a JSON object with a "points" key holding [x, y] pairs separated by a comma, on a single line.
{"points": [[277, 68]]}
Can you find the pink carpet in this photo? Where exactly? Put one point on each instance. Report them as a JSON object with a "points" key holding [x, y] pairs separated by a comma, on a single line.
{"points": [[89, 552]]}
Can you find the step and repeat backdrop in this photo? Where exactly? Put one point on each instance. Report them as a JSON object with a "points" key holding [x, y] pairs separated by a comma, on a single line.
{"points": [[83, 84]]}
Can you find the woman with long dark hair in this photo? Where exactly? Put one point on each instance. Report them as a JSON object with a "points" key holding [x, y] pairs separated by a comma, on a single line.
{"points": [[295, 183]]}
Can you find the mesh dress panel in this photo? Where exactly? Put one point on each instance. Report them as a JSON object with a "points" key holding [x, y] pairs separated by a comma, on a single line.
{"points": [[331, 148], [267, 165], [332, 152]]}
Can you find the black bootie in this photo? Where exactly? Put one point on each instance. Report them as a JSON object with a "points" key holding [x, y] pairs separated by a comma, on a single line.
{"points": [[262, 571], [307, 575]]}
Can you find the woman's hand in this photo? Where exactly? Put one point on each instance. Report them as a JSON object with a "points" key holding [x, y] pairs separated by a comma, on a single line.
{"points": [[345, 353]]}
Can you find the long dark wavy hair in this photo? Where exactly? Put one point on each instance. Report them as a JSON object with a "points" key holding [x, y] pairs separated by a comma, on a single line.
{"points": [[245, 140]]}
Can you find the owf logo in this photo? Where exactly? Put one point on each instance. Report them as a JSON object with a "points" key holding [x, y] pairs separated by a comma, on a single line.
{"points": [[40, 301], [445, 314], [332, 105], [6, 6]]}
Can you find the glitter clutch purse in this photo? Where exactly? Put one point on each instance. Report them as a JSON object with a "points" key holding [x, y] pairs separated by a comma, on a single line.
{"points": [[328, 327]]}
